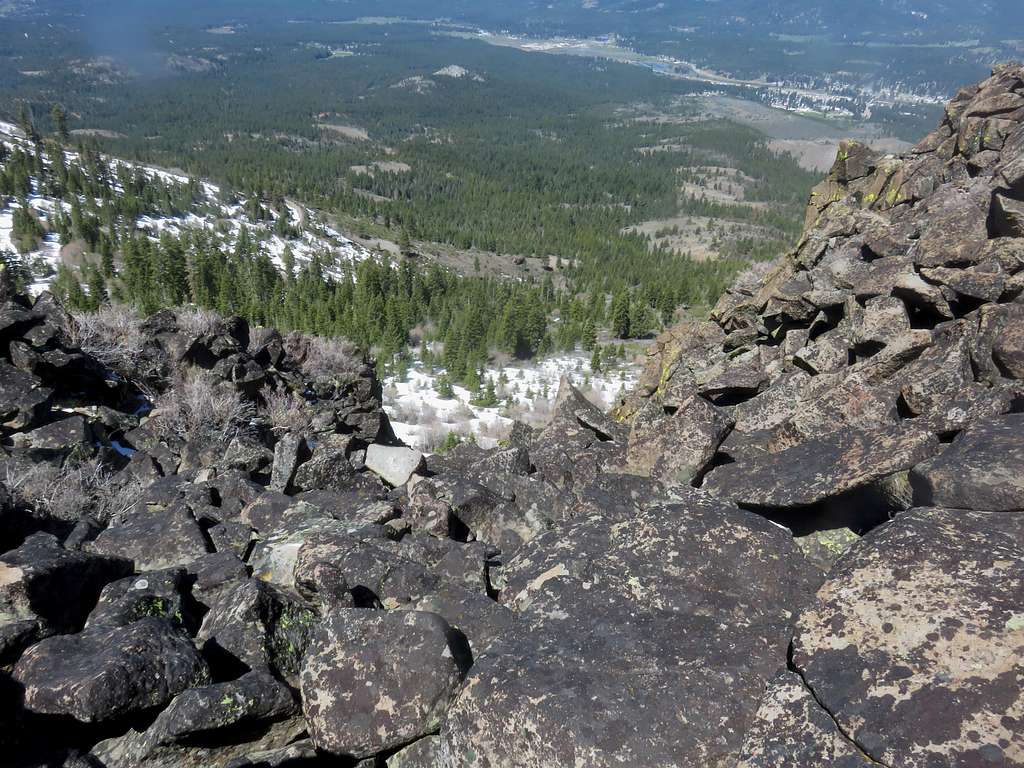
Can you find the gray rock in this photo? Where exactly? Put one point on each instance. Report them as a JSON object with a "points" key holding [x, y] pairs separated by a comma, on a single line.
{"points": [[677, 448], [820, 468], [154, 537], [40, 581], [791, 729], [260, 711], [637, 642], [395, 465]]}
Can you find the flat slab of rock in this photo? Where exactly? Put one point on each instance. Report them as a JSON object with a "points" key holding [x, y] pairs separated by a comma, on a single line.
{"points": [[375, 680], [103, 674], [641, 640], [394, 464], [916, 642], [820, 468], [982, 469]]}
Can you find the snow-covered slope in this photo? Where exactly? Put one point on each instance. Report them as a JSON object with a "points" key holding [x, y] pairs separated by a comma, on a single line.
{"points": [[423, 418], [220, 215]]}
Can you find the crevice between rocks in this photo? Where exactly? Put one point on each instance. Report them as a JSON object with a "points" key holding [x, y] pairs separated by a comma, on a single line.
{"points": [[821, 705]]}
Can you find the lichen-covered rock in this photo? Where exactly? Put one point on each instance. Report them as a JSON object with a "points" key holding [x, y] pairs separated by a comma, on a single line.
{"points": [[638, 641], [373, 681], [980, 470], [260, 711], [915, 642], [154, 537], [820, 468], [42, 582], [106, 673], [792, 730], [253, 624]]}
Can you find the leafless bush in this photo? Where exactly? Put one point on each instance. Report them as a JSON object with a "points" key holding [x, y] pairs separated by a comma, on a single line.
{"points": [[286, 411], [496, 430], [331, 357], [111, 334], [198, 407], [69, 491], [198, 322]]}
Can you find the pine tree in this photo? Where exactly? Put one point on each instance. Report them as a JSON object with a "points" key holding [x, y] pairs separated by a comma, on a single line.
{"points": [[60, 121], [595, 360], [620, 318]]}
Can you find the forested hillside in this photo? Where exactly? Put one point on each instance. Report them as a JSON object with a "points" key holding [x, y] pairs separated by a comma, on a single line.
{"points": [[564, 178]]}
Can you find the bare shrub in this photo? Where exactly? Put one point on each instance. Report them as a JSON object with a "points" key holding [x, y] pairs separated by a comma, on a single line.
{"points": [[195, 322], [198, 407], [331, 357], [110, 334], [496, 430], [286, 411], [78, 487]]}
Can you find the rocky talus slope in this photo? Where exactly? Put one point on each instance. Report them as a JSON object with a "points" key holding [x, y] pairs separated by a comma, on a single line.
{"points": [[800, 543]]}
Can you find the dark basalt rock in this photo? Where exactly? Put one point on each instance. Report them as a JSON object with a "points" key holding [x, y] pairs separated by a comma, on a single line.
{"points": [[588, 594], [211, 726], [981, 470], [372, 681], [915, 641], [820, 468], [636, 641], [155, 538], [107, 673], [40, 581], [791, 729]]}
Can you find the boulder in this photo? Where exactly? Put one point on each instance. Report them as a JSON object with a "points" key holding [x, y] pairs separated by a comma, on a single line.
{"points": [[980, 470], [792, 729], [252, 625], [40, 581], [154, 537], [645, 639], [260, 711], [106, 673], [677, 447], [821, 468], [373, 681], [394, 464], [915, 642]]}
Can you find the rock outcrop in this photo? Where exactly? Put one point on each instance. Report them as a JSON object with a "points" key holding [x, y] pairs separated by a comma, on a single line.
{"points": [[799, 543]]}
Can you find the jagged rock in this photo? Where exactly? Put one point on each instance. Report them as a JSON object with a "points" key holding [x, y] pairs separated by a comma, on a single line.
{"points": [[791, 729], [823, 548], [394, 464], [107, 673], [1008, 216], [1008, 345], [190, 732], [980, 470], [372, 681], [290, 451], [23, 398], [328, 469], [643, 629], [677, 447], [820, 468], [57, 439], [159, 594], [914, 641]]}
